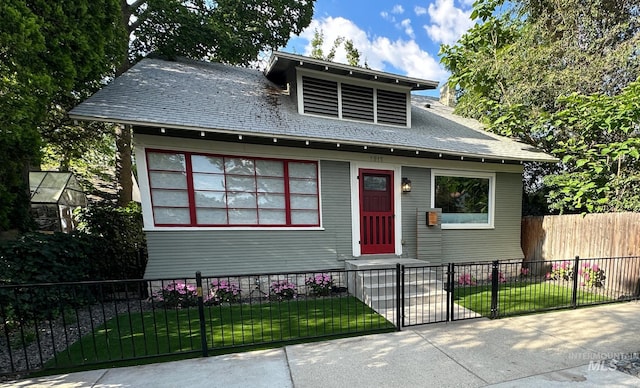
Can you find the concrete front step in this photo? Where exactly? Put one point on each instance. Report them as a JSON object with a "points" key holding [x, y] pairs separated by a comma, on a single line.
{"points": [[390, 288], [387, 301]]}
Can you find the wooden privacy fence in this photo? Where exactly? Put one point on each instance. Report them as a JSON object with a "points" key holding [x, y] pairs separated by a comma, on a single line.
{"points": [[593, 235]]}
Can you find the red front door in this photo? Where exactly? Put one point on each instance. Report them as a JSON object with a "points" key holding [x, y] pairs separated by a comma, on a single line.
{"points": [[376, 211]]}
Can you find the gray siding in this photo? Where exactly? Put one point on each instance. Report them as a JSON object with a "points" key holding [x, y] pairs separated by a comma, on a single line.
{"points": [[502, 242], [221, 252], [444, 246]]}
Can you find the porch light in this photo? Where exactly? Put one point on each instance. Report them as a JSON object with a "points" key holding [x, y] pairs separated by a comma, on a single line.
{"points": [[406, 185]]}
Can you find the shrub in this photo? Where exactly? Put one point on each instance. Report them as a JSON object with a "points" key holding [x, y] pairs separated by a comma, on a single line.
{"points": [[501, 277], [118, 239], [223, 291], [320, 284], [561, 271], [177, 294], [591, 275], [467, 280], [45, 258], [282, 290]]}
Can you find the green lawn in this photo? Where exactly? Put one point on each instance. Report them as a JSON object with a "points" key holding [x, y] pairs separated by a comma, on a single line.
{"points": [[522, 297], [178, 331]]}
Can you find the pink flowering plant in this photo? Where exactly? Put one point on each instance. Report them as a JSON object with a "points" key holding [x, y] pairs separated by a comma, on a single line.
{"points": [[591, 275], [223, 291], [282, 290], [501, 277], [524, 272], [467, 280], [319, 284], [177, 294], [561, 271]]}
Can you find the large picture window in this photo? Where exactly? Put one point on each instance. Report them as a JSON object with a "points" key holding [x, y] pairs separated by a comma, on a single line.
{"points": [[466, 199], [189, 189]]}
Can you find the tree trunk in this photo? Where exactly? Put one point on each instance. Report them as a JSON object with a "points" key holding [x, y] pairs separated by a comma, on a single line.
{"points": [[123, 164]]}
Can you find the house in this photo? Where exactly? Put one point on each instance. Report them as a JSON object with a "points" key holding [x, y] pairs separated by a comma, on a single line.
{"points": [[306, 165]]}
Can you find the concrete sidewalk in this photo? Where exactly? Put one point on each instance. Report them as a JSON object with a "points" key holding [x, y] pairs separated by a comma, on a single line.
{"points": [[552, 349]]}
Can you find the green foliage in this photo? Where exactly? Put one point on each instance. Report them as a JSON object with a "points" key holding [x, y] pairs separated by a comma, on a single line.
{"points": [[50, 56], [558, 76], [44, 258], [602, 156], [225, 30], [118, 239], [353, 55]]}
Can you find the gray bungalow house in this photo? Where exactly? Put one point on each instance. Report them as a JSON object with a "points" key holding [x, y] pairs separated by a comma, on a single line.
{"points": [[306, 165]]}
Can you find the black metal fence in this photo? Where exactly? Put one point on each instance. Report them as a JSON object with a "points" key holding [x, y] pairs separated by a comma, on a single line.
{"points": [[66, 325]]}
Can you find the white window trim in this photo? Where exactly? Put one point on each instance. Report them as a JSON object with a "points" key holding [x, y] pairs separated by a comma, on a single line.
{"points": [[355, 203], [467, 174], [300, 72]]}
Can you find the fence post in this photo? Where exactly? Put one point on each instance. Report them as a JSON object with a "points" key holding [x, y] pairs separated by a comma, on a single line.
{"points": [[494, 289], [574, 295], [398, 299], [203, 329], [449, 285]]}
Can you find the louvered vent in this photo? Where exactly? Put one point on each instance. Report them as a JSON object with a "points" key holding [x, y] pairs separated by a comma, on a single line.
{"points": [[357, 103], [392, 107], [320, 96]]}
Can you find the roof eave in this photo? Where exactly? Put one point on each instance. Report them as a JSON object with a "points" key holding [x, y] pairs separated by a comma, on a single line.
{"points": [[457, 154], [279, 62]]}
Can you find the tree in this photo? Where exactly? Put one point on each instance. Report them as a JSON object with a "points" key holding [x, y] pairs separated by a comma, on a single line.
{"points": [[49, 51], [602, 157], [510, 69], [228, 31], [353, 55]]}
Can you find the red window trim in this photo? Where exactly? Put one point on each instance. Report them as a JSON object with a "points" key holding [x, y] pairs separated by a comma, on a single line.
{"points": [[191, 191]]}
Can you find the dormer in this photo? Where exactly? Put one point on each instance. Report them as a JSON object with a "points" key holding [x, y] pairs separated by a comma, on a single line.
{"points": [[329, 89]]}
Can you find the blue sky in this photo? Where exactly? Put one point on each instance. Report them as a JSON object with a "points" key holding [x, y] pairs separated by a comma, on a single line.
{"points": [[401, 37]]}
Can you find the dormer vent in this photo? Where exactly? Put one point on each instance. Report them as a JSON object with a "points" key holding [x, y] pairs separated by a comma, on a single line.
{"points": [[348, 101]]}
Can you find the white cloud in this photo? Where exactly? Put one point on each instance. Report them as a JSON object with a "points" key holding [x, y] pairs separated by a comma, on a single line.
{"points": [[397, 9], [379, 52], [406, 25], [420, 10], [448, 22]]}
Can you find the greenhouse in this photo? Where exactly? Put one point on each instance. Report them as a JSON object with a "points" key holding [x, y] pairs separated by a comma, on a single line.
{"points": [[54, 197]]}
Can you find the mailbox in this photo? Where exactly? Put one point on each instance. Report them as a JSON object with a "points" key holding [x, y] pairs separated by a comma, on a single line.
{"points": [[432, 218]]}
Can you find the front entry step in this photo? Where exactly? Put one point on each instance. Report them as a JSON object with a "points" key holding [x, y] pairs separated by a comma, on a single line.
{"points": [[374, 282]]}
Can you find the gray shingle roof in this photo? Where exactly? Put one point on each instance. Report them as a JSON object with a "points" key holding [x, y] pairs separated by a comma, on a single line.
{"points": [[220, 98]]}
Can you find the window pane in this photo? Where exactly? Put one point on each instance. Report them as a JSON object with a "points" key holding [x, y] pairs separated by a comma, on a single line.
{"points": [[270, 185], [246, 200], [304, 202], [269, 168], [208, 182], [166, 161], [304, 217], [272, 217], [375, 183], [238, 183], [200, 163], [171, 215], [463, 200], [170, 198], [302, 170], [303, 186], [211, 216], [243, 217], [168, 180], [210, 199], [271, 201], [239, 166]]}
